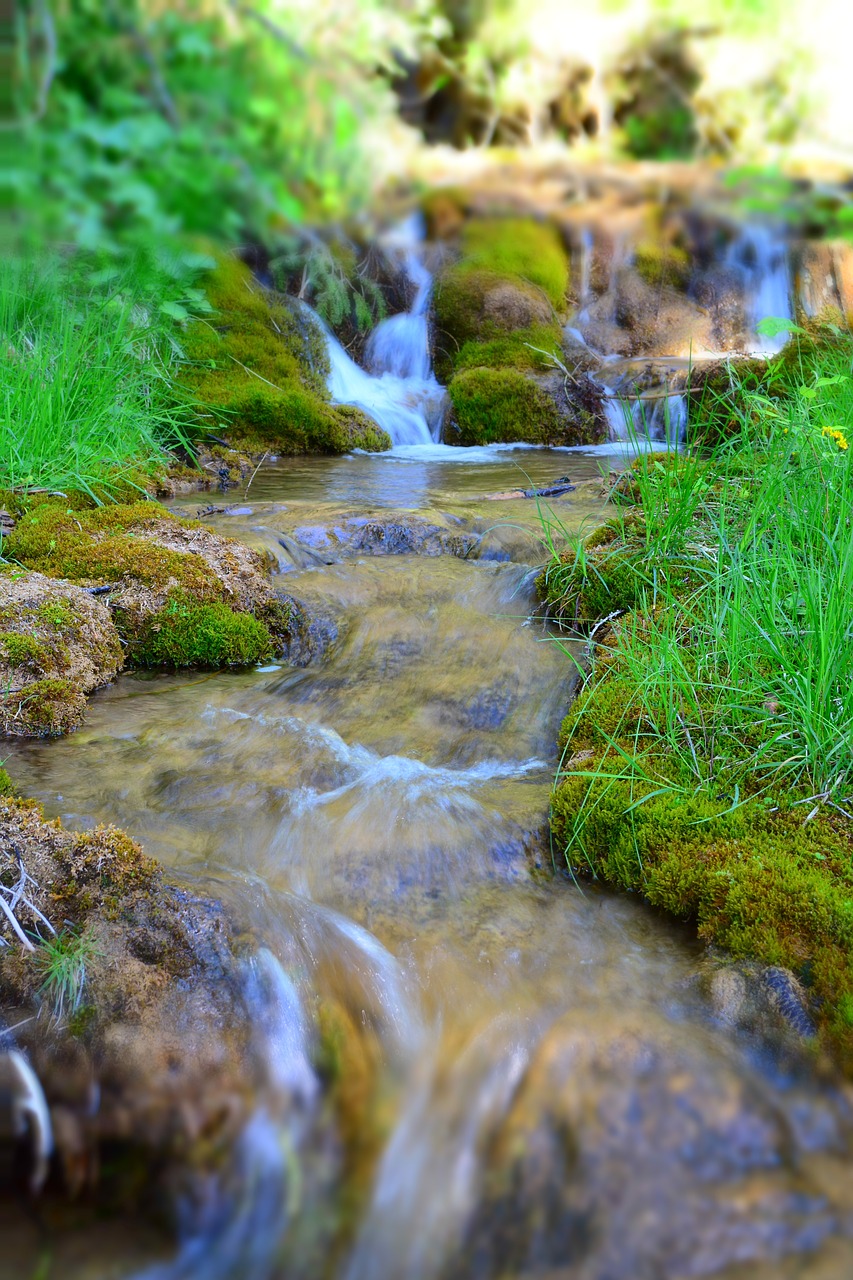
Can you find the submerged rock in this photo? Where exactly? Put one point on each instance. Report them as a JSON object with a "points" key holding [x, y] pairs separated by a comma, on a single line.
{"points": [[629, 1151]]}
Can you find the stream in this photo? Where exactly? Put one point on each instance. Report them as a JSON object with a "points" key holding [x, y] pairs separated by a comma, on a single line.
{"points": [[536, 1082], [531, 1077]]}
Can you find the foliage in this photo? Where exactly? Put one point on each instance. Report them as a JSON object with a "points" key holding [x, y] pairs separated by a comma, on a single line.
{"points": [[332, 279], [153, 121], [653, 83], [85, 383]]}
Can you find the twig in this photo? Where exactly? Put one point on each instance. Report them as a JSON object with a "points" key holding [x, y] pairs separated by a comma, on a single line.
{"points": [[256, 470]]}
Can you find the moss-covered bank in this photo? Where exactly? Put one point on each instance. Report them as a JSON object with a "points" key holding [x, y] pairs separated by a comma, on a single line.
{"points": [[679, 778], [258, 369]]}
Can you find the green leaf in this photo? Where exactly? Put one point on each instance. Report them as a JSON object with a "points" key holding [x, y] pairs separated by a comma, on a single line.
{"points": [[174, 310], [772, 326]]}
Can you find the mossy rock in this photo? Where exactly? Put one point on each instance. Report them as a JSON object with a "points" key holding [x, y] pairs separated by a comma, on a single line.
{"points": [[259, 371], [181, 594], [514, 275], [522, 349], [501, 406], [519, 248], [153, 1023], [662, 265], [56, 645]]}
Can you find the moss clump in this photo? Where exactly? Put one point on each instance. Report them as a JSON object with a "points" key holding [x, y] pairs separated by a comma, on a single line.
{"points": [[23, 650], [45, 708], [519, 248], [260, 369], [512, 350], [662, 264], [184, 634], [7, 787], [501, 405]]}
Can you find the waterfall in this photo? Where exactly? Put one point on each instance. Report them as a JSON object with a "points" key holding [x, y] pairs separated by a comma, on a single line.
{"points": [[663, 418], [400, 392], [759, 256]]}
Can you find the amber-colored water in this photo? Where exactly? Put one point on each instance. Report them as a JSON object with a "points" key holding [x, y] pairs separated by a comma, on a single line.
{"points": [[532, 1081]]}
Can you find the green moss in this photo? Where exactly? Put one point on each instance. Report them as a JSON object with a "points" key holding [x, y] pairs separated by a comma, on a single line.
{"points": [[55, 613], [495, 405], [104, 545], [512, 350], [519, 248], [474, 304], [259, 371], [662, 264], [7, 787], [754, 877], [45, 707], [23, 650], [185, 634]]}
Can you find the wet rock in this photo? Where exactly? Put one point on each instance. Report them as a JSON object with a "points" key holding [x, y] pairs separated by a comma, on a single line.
{"points": [[146, 1055], [630, 1151], [57, 644], [310, 635], [385, 535]]}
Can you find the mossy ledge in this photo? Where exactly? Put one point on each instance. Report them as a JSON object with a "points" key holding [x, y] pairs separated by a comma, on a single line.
{"points": [[172, 593], [257, 372], [755, 878], [57, 644], [508, 289]]}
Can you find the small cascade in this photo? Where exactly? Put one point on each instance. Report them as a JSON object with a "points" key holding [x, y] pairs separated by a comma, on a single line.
{"points": [[585, 273], [400, 392], [759, 256], [651, 417]]}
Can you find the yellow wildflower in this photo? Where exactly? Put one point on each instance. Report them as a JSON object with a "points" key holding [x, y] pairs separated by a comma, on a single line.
{"points": [[836, 435]]}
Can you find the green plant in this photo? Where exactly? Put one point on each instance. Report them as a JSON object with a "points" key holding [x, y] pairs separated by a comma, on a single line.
{"points": [[332, 279], [61, 964], [86, 391]]}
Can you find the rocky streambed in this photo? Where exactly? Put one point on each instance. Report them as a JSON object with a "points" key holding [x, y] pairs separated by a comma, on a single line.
{"points": [[351, 1023]]}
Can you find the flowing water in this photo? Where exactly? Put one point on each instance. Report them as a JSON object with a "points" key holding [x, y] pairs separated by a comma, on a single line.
{"points": [[534, 1080], [530, 1077]]}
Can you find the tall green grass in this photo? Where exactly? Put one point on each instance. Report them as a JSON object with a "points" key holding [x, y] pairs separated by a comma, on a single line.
{"points": [[86, 393], [739, 654]]}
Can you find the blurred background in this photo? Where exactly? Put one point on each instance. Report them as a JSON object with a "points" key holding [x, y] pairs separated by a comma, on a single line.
{"points": [[132, 121]]}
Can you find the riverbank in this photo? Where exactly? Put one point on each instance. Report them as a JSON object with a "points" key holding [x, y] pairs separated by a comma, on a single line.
{"points": [[707, 762]]}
